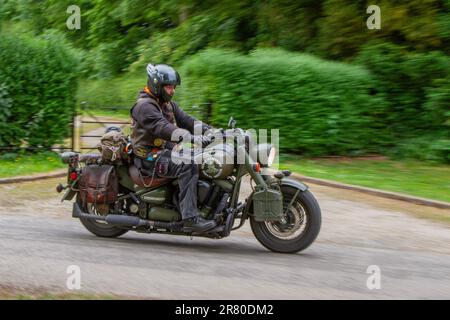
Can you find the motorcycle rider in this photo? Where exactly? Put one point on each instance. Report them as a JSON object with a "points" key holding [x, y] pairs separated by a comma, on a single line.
{"points": [[158, 124]]}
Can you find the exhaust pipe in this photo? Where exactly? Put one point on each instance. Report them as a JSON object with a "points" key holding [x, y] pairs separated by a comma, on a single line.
{"points": [[126, 221]]}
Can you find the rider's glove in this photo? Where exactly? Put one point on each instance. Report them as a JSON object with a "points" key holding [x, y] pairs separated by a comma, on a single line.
{"points": [[182, 135], [203, 141]]}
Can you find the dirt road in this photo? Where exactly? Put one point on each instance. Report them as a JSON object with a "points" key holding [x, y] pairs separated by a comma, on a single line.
{"points": [[39, 240]]}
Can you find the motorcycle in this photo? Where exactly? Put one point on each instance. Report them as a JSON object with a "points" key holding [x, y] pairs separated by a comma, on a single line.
{"points": [[284, 215]]}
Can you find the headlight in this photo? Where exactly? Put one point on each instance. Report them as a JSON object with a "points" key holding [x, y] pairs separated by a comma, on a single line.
{"points": [[271, 157], [264, 153]]}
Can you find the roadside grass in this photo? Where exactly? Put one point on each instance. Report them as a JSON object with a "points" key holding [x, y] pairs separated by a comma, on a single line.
{"points": [[22, 164], [119, 92], [19, 164], [416, 178], [439, 215]]}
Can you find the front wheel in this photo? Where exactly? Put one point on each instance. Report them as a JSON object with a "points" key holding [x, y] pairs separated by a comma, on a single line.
{"points": [[98, 227], [297, 229]]}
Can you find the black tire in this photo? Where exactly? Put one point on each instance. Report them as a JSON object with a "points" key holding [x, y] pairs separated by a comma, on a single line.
{"points": [[100, 229], [264, 231]]}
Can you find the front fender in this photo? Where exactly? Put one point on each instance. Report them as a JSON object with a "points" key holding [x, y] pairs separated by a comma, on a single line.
{"points": [[294, 183]]}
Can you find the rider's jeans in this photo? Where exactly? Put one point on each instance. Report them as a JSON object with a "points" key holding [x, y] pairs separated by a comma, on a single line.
{"points": [[187, 174]]}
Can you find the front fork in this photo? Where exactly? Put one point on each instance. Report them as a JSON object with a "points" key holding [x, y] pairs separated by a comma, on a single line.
{"points": [[266, 200]]}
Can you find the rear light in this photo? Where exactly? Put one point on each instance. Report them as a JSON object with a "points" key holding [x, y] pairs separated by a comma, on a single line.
{"points": [[257, 167], [73, 176]]}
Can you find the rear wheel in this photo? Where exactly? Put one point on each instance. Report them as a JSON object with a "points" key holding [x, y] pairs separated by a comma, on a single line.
{"points": [[98, 227], [297, 229]]}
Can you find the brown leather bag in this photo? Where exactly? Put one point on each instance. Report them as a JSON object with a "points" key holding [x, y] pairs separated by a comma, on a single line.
{"points": [[99, 184]]}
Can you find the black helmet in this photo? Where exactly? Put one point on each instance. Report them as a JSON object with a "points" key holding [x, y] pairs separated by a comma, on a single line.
{"points": [[160, 75]]}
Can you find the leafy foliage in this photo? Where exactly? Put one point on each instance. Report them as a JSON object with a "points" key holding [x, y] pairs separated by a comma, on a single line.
{"points": [[399, 91], [117, 33], [417, 98], [5, 113], [399, 108], [274, 89], [39, 77]]}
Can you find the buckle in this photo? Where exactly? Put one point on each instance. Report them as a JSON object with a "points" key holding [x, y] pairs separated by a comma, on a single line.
{"points": [[141, 152]]}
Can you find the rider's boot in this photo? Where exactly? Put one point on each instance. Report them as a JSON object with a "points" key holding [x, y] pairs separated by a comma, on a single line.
{"points": [[198, 224]]}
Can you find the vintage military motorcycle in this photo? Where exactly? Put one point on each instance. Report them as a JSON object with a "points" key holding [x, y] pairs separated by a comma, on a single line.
{"points": [[112, 199]]}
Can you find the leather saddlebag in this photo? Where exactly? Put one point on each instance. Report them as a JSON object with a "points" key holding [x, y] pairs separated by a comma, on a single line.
{"points": [[99, 184]]}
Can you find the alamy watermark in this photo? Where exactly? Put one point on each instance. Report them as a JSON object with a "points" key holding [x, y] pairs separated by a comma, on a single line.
{"points": [[73, 22], [374, 20], [374, 280], [257, 144], [73, 281]]}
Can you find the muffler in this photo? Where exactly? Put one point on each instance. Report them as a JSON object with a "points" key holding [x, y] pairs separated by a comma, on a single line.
{"points": [[126, 221]]}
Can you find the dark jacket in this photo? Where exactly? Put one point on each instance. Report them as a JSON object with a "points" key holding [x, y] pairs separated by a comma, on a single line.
{"points": [[153, 123]]}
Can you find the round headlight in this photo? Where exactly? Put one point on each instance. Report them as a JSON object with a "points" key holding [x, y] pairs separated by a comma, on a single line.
{"points": [[271, 156]]}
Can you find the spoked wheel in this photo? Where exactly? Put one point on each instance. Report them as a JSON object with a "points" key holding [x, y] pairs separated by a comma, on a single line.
{"points": [[297, 229], [98, 227]]}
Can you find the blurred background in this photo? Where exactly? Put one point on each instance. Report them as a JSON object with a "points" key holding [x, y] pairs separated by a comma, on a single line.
{"points": [[357, 105], [362, 106]]}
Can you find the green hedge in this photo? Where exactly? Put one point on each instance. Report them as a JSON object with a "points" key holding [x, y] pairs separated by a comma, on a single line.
{"points": [[416, 88], [320, 107], [38, 84], [5, 113]]}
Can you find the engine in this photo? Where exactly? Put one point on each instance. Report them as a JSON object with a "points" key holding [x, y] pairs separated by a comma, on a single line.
{"points": [[212, 197]]}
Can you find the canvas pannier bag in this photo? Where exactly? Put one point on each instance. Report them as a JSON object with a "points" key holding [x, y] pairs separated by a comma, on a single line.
{"points": [[99, 184], [112, 147]]}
